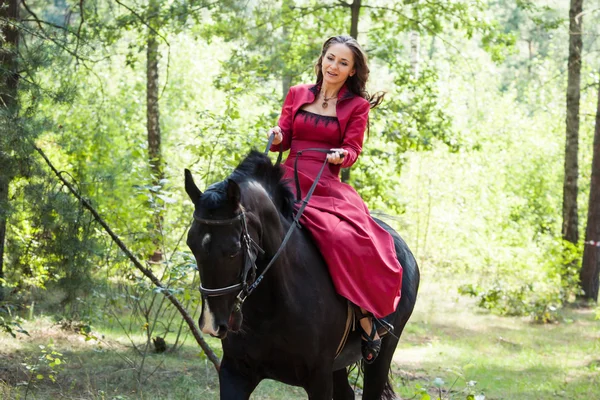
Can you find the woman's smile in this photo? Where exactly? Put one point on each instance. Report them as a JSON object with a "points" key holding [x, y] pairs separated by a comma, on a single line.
{"points": [[338, 64]]}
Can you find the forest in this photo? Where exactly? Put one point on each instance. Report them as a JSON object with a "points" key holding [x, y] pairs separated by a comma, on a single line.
{"points": [[484, 156]]}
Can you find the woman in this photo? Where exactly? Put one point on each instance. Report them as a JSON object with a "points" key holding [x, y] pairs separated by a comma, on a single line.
{"points": [[333, 114]]}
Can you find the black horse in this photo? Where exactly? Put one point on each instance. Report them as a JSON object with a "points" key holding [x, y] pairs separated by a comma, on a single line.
{"points": [[294, 321]]}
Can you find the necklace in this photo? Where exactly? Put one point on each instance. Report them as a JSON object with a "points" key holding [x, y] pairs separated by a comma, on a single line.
{"points": [[326, 99]]}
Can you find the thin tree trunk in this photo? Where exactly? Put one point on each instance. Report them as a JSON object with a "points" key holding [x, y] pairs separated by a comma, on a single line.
{"points": [[286, 79], [152, 112], [432, 48], [415, 44], [4, 183], [153, 118], [286, 83], [590, 267], [355, 14], [570, 222], [9, 10]]}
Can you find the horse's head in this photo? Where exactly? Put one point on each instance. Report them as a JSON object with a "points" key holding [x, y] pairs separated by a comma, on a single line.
{"points": [[226, 236], [221, 240]]}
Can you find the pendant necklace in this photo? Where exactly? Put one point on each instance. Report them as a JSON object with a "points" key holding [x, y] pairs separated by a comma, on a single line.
{"points": [[325, 100]]}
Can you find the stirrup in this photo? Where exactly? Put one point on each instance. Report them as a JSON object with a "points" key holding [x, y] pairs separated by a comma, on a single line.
{"points": [[369, 346]]}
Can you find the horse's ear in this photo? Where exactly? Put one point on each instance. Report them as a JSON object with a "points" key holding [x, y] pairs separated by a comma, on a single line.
{"points": [[233, 192], [191, 188]]}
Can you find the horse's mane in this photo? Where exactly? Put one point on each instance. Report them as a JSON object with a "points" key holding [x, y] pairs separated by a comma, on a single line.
{"points": [[258, 167]]}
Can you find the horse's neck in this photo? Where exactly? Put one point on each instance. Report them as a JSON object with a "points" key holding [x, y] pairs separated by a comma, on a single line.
{"points": [[277, 279], [275, 283]]}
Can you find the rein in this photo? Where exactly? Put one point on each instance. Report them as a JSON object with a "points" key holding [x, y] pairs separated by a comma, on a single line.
{"points": [[246, 290]]}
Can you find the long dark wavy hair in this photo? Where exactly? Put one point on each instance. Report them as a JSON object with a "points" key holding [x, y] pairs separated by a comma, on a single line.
{"points": [[356, 83]]}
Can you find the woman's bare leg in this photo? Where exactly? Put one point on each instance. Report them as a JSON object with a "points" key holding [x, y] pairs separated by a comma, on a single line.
{"points": [[367, 323]]}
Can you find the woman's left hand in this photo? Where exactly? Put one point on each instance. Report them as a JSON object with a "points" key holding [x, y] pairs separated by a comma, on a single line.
{"points": [[336, 156]]}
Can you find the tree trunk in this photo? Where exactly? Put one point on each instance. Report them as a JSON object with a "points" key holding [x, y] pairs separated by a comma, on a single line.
{"points": [[415, 40], [9, 10], [355, 11], [152, 112], [286, 83], [355, 14], [590, 267], [153, 120], [4, 183], [570, 223], [286, 78]]}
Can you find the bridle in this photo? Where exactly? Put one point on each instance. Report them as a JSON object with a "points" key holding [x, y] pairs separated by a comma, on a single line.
{"points": [[250, 249], [245, 288]]}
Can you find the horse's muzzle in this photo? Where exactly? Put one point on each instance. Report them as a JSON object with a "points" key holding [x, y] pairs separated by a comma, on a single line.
{"points": [[216, 326]]}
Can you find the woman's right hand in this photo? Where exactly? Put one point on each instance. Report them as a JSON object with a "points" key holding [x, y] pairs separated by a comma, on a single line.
{"points": [[278, 135]]}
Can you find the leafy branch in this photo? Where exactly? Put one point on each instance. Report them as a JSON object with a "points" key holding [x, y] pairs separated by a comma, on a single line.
{"points": [[147, 272]]}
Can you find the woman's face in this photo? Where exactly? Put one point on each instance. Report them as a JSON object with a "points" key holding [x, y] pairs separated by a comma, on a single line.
{"points": [[338, 64]]}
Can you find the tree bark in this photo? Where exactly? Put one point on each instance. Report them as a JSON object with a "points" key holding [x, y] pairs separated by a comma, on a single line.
{"points": [[9, 10], [153, 120], [355, 14], [415, 44], [286, 78], [152, 112], [590, 267], [286, 83], [4, 183], [570, 221]]}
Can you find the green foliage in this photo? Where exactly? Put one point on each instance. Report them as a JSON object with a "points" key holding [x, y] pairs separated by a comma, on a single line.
{"points": [[442, 390], [52, 239], [542, 307], [45, 366], [541, 302], [9, 322], [31, 210], [413, 117], [498, 45]]}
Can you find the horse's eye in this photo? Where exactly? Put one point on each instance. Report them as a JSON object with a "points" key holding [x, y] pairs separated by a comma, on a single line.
{"points": [[236, 251]]}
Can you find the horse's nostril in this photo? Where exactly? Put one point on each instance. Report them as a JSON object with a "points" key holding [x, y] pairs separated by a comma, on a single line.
{"points": [[221, 331]]}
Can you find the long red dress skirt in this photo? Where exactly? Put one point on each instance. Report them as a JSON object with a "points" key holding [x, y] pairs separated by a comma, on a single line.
{"points": [[359, 253]]}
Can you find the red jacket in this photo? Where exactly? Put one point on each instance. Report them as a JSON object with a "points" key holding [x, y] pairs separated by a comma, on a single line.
{"points": [[352, 114]]}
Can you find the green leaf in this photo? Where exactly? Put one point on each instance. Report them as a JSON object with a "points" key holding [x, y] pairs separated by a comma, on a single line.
{"points": [[166, 199]]}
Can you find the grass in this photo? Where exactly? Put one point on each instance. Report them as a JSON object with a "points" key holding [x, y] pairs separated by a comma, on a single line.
{"points": [[509, 358], [449, 349]]}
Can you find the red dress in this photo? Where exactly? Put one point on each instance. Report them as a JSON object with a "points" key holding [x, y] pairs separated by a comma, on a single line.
{"points": [[360, 254]]}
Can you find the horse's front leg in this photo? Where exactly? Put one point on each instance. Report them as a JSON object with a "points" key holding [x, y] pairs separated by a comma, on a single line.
{"points": [[235, 384], [341, 387], [320, 386]]}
